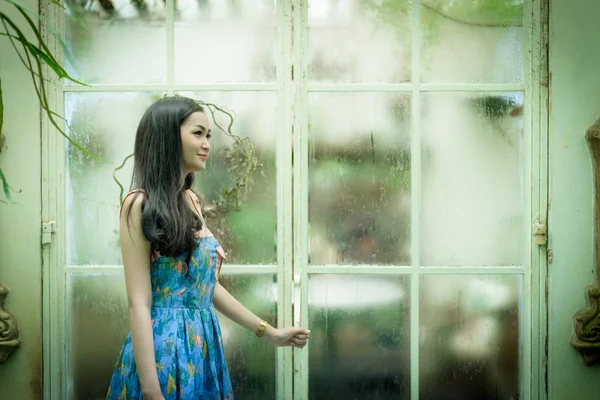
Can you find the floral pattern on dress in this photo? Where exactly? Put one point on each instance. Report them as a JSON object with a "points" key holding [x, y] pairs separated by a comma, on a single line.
{"points": [[187, 336]]}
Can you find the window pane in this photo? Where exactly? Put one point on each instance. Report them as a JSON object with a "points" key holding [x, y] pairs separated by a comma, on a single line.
{"points": [[98, 323], [472, 194], [251, 361], [469, 337], [97, 314], [472, 41], [225, 41], [360, 337], [117, 42], [359, 206], [359, 41], [105, 124], [248, 235]]}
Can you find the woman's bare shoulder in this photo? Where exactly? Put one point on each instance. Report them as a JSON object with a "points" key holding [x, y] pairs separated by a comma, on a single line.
{"points": [[132, 203], [194, 196]]}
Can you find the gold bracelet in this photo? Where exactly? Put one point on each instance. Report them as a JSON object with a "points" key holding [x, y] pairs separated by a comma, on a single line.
{"points": [[260, 330]]}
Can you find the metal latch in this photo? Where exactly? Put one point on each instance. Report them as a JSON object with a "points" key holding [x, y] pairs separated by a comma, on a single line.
{"points": [[539, 231], [48, 228]]}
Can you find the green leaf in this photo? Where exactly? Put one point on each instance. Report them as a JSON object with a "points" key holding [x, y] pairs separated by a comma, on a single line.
{"points": [[40, 89], [24, 10], [19, 55], [5, 186], [50, 60], [57, 3], [1, 110], [46, 24]]}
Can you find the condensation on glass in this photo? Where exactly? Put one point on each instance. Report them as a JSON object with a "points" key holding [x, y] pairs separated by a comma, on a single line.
{"points": [[359, 41], [469, 337], [471, 170], [470, 183], [359, 171], [251, 361], [99, 324], [103, 35], [471, 41], [225, 41], [360, 337], [104, 124], [248, 234]]}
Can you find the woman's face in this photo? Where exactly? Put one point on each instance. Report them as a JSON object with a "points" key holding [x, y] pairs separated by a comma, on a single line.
{"points": [[195, 132]]}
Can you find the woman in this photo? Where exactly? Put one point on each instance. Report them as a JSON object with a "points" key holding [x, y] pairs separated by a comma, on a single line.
{"points": [[172, 263]]}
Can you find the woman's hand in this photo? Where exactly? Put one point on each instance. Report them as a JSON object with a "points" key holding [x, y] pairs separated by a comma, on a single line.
{"points": [[295, 337], [232, 309]]}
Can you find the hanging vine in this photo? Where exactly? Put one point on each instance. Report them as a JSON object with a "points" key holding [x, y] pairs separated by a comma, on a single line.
{"points": [[240, 158], [33, 55]]}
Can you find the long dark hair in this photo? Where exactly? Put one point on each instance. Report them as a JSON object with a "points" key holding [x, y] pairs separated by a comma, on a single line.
{"points": [[168, 222]]}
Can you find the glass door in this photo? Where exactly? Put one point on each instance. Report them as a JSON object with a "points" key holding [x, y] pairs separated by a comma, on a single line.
{"points": [[415, 189], [229, 54]]}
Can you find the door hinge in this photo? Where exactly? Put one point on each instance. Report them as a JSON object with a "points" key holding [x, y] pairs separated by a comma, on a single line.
{"points": [[48, 228], [540, 233]]}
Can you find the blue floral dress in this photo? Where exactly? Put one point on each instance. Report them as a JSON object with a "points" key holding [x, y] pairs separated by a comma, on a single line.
{"points": [[187, 336]]}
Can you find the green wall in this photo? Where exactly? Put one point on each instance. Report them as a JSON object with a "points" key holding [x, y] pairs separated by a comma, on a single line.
{"points": [[575, 105], [20, 224]]}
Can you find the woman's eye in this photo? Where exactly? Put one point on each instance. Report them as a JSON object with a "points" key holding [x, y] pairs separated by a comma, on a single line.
{"points": [[208, 136]]}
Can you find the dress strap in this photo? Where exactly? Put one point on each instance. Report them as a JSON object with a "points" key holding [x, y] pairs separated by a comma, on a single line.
{"points": [[125, 198], [194, 203]]}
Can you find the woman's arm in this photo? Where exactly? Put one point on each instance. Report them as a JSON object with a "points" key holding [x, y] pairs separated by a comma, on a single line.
{"points": [[136, 260], [235, 311]]}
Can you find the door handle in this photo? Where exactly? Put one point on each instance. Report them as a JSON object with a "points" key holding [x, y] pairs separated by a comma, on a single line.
{"points": [[297, 299]]}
